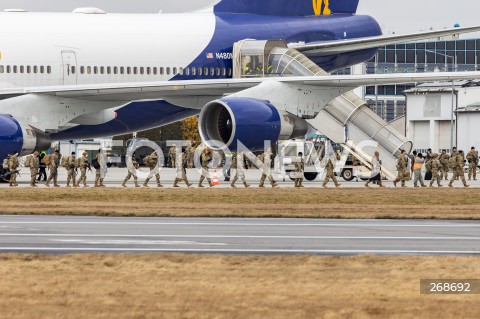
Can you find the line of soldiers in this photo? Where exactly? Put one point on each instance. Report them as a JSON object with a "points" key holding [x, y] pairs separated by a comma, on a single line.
{"points": [[438, 165]]}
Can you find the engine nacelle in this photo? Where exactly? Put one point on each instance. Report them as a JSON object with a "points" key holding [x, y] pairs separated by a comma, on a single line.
{"points": [[249, 121], [21, 138]]}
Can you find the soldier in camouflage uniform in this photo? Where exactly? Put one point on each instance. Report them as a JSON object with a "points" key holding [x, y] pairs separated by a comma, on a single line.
{"points": [[299, 167], [83, 165], [444, 157], [458, 170], [238, 164], [98, 171], [206, 158], [172, 155], [70, 166], [402, 169], [472, 158], [13, 164], [152, 163], [181, 162], [54, 164], [266, 159], [34, 164], [131, 164], [436, 166], [330, 166], [190, 152]]}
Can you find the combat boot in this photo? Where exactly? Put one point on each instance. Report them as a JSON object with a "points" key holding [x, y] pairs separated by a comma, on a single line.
{"points": [[123, 185], [261, 185], [210, 182], [136, 184], [56, 185], [274, 184], [46, 184], [201, 181], [245, 184], [175, 184]]}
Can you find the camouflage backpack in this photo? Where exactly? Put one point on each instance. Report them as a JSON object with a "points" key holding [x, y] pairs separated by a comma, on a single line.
{"points": [[77, 163], [64, 162], [28, 161], [47, 159], [428, 166], [146, 159], [452, 162]]}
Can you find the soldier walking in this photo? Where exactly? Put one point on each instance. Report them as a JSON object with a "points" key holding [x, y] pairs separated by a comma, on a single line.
{"points": [[181, 162], [376, 171], [190, 151], [402, 169], [172, 155], [98, 169], [458, 170], [54, 164], [70, 166], [472, 158], [330, 167], [435, 166], [152, 162], [417, 170], [444, 158], [299, 168], [34, 164], [266, 159], [13, 164], [131, 165], [205, 160], [238, 164], [83, 165]]}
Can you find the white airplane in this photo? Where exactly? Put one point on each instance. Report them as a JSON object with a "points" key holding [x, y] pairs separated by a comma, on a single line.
{"points": [[89, 73]]}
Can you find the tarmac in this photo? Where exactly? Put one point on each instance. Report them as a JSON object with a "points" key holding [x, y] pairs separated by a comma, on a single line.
{"points": [[115, 177]]}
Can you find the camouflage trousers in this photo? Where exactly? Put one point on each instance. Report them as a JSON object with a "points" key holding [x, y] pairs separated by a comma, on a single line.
{"points": [[13, 177], [444, 172], [330, 176], [472, 170], [239, 174], [33, 176], [458, 172], [435, 177], [264, 178], [83, 176], [157, 176], [53, 175], [181, 176], [129, 175], [72, 175], [98, 178]]}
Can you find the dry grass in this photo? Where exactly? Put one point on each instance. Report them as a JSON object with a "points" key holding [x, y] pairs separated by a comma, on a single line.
{"points": [[309, 203], [206, 286]]}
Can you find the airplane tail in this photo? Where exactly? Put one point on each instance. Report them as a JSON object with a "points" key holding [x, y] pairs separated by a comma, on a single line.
{"points": [[288, 7]]}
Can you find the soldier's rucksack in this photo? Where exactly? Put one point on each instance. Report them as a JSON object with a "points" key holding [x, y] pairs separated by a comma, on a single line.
{"points": [[77, 162], [95, 163], [444, 160], [47, 159], [28, 161], [146, 159], [452, 162], [64, 162], [428, 166]]}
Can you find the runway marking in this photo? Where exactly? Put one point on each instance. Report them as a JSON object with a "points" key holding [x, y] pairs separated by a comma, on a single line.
{"points": [[237, 236], [247, 251], [134, 242]]}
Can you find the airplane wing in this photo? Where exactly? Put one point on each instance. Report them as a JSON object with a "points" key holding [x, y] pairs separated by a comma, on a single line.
{"points": [[206, 88], [343, 46]]}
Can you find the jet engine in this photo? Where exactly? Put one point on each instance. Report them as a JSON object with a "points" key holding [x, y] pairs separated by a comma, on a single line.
{"points": [[249, 121], [20, 137]]}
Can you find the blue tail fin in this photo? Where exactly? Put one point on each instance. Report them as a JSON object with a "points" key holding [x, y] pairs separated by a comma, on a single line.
{"points": [[288, 7]]}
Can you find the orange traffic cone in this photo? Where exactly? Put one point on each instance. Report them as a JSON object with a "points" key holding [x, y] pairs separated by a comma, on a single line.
{"points": [[215, 178]]}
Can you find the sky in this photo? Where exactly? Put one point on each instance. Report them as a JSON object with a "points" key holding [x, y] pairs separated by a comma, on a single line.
{"points": [[399, 16]]}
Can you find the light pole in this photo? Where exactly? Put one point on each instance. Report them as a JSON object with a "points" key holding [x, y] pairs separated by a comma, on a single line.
{"points": [[454, 62]]}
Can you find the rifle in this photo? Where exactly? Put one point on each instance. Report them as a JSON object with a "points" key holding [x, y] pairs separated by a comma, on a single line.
{"points": [[89, 167]]}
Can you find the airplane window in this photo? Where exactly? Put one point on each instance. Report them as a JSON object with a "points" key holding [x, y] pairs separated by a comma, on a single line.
{"points": [[149, 70], [135, 70], [15, 69], [49, 69], [73, 69], [22, 69], [122, 70], [218, 71], [129, 70], [29, 69], [102, 70], [8, 69], [205, 71], [161, 71], [212, 71], [224, 72], [229, 72], [200, 71], [194, 71], [142, 70], [168, 70], [115, 70], [109, 70], [174, 72], [95, 69], [155, 71], [89, 70], [187, 71], [82, 69], [180, 71], [2, 69]]}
